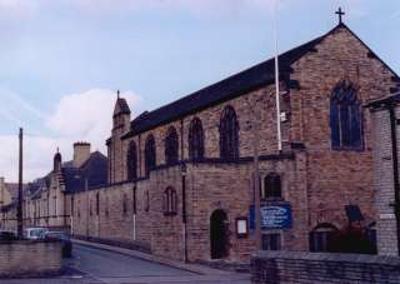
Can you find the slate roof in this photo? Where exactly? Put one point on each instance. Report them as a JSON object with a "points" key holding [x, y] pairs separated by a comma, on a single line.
{"points": [[94, 169], [231, 87], [391, 100]]}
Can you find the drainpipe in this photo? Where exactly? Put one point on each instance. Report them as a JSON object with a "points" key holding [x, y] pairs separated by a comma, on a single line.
{"points": [[393, 123]]}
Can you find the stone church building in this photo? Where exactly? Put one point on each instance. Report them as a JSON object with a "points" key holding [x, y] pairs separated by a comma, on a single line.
{"points": [[181, 177]]}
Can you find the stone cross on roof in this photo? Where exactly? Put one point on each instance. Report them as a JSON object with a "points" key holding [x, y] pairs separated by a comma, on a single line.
{"points": [[340, 13]]}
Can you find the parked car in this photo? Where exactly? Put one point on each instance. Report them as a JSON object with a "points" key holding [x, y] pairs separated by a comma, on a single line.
{"points": [[64, 238], [37, 233], [7, 235]]}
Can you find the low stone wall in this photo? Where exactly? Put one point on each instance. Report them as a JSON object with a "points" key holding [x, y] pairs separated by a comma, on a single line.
{"points": [[30, 258], [129, 244], [302, 267]]}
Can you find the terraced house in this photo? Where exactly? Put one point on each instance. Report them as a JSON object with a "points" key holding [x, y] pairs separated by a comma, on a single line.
{"points": [[181, 177]]}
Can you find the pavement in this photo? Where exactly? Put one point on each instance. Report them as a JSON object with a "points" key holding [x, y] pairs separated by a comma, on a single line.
{"points": [[98, 263]]}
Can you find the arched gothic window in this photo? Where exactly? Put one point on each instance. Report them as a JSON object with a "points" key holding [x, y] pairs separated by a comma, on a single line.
{"points": [[196, 140], [272, 186], [171, 146], [150, 154], [229, 135], [131, 161], [345, 117], [170, 202]]}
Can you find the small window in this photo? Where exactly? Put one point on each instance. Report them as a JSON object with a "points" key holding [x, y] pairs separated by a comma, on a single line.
{"points": [[321, 238], [147, 202], [72, 206], [97, 204], [272, 186], [271, 241], [125, 204], [170, 206], [106, 205]]}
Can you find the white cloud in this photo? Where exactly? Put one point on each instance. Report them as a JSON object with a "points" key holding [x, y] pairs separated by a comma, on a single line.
{"points": [[203, 7], [85, 116]]}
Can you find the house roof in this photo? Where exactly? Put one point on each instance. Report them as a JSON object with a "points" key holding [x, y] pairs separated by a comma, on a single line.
{"points": [[231, 87], [94, 170]]}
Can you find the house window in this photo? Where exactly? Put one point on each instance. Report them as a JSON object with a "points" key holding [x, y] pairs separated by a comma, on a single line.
{"points": [[79, 209], [170, 202], [171, 146], [150, 154], [90, 208], [196, 140], [229, 135], [97, 204], [271, 241], [272, 186], [124, 204], [345, 118], [321, 237], [131, 161]]}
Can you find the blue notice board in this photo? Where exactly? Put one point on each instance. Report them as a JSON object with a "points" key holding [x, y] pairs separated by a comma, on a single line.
{"points": [[277, 216]]}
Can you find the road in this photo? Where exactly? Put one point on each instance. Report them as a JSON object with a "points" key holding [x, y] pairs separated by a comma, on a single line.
{"points": [[93, 265]]}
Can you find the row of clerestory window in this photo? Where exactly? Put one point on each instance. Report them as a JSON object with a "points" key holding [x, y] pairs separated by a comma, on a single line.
{"points": [[345, 123], [229, 144]]}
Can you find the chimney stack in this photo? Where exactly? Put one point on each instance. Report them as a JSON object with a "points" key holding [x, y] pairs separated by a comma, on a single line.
{"points": [[81, 153]]}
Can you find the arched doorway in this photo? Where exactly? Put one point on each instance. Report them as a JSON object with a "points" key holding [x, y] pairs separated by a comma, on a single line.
{"points": [[218, 234]]}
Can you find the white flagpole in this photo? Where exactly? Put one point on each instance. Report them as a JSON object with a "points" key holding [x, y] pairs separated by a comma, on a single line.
{"points": [[277, 95]]}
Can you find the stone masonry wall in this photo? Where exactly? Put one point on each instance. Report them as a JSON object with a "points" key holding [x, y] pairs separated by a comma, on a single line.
{"points": [[303, 268], [30, 258], [343, 176], [384, 182]]}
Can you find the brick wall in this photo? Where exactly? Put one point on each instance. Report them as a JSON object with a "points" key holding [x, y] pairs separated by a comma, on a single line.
{"points": [[297, 267], [30, 258]]}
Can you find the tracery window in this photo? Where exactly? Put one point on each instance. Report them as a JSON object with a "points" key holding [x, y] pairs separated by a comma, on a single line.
{"points": [[171, 146], [229, 134], [345, 118], [170, 202], [131, 161], [150, 154], [196, 140], [272, 186]]}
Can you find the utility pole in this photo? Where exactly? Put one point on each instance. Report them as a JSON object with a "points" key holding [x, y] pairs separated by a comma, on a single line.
{"points": [[20, 192]]}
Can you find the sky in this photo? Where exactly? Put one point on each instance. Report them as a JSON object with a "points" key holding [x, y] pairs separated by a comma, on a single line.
{"points": [[61, 61]]}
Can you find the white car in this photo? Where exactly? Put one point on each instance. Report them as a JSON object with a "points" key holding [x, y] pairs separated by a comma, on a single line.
{"points": [[35, 233]]}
